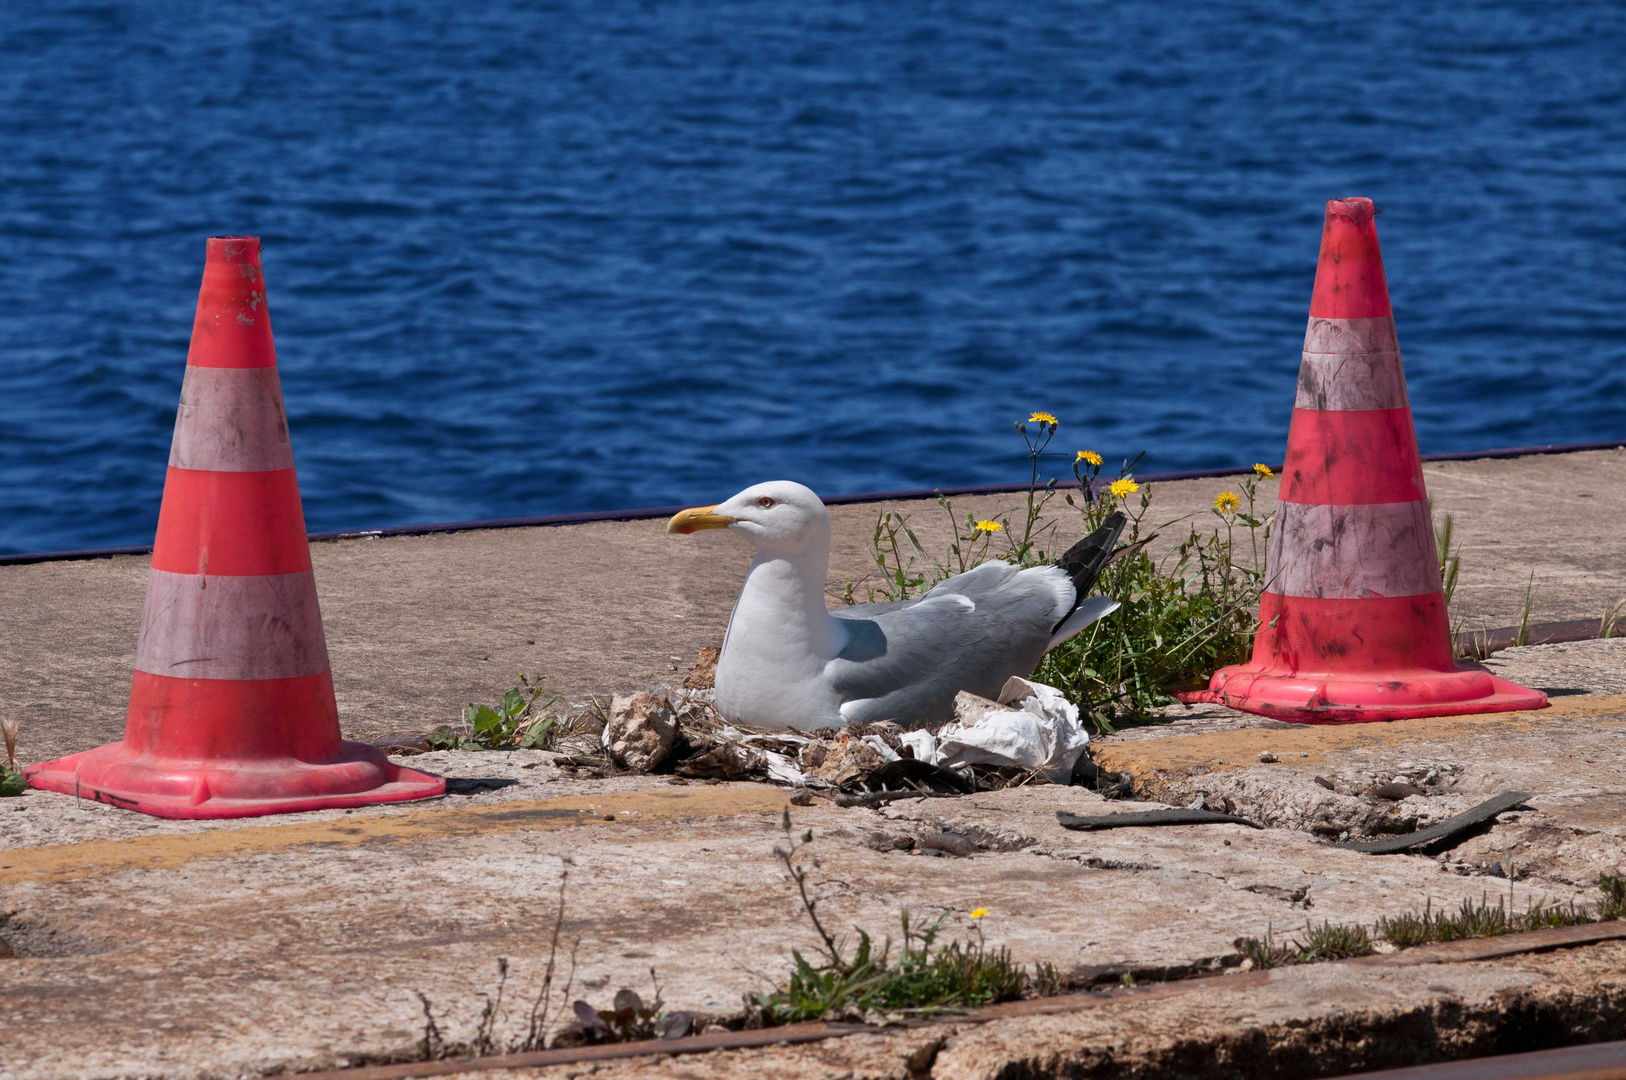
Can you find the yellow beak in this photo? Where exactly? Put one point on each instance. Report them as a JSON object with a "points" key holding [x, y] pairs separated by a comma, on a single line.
{"points": [[685, 522]]}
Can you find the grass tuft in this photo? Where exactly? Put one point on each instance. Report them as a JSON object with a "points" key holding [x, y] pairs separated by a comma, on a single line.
{"points": [[1331, 941], [1613, 904], [11, 778], [1265, 952], [927, 976], [1483, 919]]}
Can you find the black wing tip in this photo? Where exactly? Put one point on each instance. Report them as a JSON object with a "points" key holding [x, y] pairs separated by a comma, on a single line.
{"points": [[1084, 560]]}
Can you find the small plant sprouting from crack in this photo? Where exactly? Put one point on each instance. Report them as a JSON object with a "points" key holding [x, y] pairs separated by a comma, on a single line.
{"points": [[1608, 625], [433, 1044], [536, 1029], [1409, 929], [1329, 941], [926, 977], [12, 782], [1335, 941], [1523, 636], [484, 1031], [627, 1020], [1266, 952], [1613, 904], [517, 722], [1047, 980], [1483, 919]]}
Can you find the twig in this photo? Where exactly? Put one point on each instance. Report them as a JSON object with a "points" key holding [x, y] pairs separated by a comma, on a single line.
{"points": [[536, 1031], [799, 874], [432, 1040], [876, 798]]}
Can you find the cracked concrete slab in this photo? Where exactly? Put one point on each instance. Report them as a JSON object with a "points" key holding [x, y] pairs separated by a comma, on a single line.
{"points": [[1323, 779], [192, 949]]}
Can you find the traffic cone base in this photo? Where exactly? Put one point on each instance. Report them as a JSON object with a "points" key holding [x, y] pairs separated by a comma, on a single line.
{"points": [[358, 775], [232, 712], [1336, 661], [1352, 616]]}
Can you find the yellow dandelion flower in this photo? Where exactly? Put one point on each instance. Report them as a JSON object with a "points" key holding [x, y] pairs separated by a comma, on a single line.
{"points": [[1263, 470], [1042, 418], [1089, 457], [990, 527], [1227, 502], [979, 913], [1122, 488]]}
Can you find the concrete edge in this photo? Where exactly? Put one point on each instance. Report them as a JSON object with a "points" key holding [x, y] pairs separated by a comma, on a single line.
{"points": [[648, 512]]}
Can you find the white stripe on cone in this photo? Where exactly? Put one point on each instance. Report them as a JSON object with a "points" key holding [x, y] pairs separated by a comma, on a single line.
{"points": [[231, 420], [1351, 364], [204, 627], [1353, 552]]}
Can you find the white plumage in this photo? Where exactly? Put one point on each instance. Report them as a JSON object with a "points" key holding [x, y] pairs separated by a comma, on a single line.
{"points": [[788, 662]]}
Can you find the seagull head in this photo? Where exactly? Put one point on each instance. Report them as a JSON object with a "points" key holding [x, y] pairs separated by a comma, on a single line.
{"points": [[780, 517]]}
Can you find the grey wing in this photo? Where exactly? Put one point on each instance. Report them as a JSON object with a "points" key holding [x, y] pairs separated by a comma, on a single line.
{"points": [[972, 632], [869, 611]]}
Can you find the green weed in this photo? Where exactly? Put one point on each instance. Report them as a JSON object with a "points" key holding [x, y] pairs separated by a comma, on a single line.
{"points": [[1450, 561], [1613, 904], [1523, 637], [1331, 941], [1183, 614], [926, 977], [1608, 626], [516, 723], [11, 778], [1483, 919], [1265, 952]]}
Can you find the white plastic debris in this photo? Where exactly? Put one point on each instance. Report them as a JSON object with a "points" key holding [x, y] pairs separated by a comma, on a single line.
{"points": [[878, 744], [1038, 729], [923, 743], [782, 770]]}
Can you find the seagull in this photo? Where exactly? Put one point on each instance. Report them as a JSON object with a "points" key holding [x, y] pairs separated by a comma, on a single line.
{"points": [[789, 663]]}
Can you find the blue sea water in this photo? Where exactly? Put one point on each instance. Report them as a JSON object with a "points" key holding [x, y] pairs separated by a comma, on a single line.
{"points": [[528, 258]]}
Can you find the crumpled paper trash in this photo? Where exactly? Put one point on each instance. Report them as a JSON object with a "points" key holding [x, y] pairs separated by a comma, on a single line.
{"points": [[1031, 726]]}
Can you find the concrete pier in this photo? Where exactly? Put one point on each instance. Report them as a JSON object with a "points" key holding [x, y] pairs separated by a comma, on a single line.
{"points": [[418, 627], [204, 949]]}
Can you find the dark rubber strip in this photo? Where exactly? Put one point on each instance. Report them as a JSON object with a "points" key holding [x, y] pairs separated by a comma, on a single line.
{"points": [[1137, 818], [1463, 822]]}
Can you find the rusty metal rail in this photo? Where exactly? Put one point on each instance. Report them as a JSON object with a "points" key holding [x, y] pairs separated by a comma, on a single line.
{"points": [[1598, 1061]]}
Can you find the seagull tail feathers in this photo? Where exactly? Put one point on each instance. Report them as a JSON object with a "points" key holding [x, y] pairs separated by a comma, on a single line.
{"points": [[1083, 562]]}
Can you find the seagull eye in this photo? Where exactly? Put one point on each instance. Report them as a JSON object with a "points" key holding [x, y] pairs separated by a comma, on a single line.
{"points": [[765, 502]]}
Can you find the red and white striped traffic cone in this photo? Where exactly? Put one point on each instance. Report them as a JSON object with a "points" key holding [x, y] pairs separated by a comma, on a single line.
{"points": [[232, 711], [1352, 623]]}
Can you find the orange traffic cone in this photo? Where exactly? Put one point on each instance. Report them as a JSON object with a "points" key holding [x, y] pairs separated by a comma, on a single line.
{"points": [[231, 708], [1352, 623]]}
